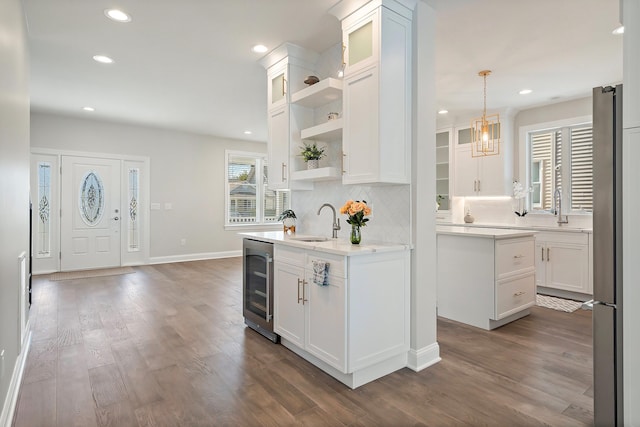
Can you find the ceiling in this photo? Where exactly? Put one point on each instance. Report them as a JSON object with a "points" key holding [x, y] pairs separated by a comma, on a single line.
{"points": [[188, 64]]}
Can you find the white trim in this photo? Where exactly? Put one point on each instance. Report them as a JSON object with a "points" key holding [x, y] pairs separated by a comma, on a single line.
{"points": [[194, 257], [424, 357], [51, 151], [9, 407]]}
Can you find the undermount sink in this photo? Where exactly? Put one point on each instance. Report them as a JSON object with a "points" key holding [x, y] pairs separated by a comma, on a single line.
{"points": [[310, 239]]}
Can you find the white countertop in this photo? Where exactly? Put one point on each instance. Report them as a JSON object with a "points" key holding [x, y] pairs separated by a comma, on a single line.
{"points": [[334, 246], [489, 233], [562, 228]]}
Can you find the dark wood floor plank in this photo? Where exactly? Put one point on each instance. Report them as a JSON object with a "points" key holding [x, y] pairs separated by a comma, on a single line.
{"points": [[167, 346], [107, 385]]}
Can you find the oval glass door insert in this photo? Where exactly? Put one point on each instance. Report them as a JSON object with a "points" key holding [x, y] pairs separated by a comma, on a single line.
{"points": [[91, 201]]}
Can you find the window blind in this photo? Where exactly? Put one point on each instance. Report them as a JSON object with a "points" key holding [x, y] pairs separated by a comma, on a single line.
{"points": [[582, 169]]}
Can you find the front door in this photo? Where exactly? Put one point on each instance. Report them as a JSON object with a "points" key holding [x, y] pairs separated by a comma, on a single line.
{"points": [[90, 215]]}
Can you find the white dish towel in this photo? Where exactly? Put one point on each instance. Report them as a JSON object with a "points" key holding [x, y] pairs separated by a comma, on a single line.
{"points": [[320, 272]]}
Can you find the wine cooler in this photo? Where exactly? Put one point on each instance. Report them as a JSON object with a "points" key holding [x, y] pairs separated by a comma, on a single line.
{"points": [[257, 283]]}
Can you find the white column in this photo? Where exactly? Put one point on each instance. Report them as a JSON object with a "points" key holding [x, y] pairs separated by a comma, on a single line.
{"points": [[424, 346], [631, 207]]}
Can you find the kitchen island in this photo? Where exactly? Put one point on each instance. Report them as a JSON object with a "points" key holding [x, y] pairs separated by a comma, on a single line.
{"points": [[354, 325], [486, 276]]}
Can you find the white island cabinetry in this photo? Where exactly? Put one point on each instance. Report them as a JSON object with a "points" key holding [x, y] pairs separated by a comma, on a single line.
{"points": [[355, 328], [486, 277]]}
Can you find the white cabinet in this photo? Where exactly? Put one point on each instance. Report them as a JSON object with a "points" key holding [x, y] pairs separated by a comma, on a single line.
{"points": [[443, 160], [562, 262], [484, 176], [308, 315], [356, 328], [377, 94], [496, 284], [287, 67]]}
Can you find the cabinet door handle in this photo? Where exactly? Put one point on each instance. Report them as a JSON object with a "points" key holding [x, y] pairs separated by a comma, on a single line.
{"points": [[304, 282], [475, 185], [517, 294], [342, 163], [299, 299], [548, 250], [478, 186], [284, 83], [282, 171], [518, 256], [542, 254]]}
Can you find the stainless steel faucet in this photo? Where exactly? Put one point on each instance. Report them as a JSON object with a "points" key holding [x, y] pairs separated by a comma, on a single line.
{"points": [[336, 221], [557, 207]]}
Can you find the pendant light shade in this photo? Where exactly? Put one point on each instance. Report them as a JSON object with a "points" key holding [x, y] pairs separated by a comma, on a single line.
{"points": [[485, 131]]}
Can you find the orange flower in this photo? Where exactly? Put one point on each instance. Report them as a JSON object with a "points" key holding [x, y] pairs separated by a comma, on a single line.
{"points": [[345, 208]]}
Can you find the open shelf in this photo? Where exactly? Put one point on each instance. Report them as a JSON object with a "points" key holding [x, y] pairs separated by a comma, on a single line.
{"points": [[321, 93], [319, 174], [328, 131]]}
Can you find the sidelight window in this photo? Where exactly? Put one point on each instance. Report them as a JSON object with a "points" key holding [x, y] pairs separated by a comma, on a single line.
{"points": [[43, 228]]}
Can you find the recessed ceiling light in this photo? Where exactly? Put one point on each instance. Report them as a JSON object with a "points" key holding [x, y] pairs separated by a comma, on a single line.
{"points": [[247, 132], [619, 30], [117, 15], [443, 111], [102, 59], [88, 109], [525, 91], [259, 48]]}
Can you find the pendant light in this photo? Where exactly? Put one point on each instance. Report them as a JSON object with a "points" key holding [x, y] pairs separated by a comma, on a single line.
{"points": [[485, 131]]}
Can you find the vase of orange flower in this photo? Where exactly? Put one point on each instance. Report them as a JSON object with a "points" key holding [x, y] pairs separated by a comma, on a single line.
{"points": [[356, 210]]}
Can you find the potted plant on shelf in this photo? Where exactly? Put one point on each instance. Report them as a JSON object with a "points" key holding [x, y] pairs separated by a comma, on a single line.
{"points": [[311, 153], [288, 219]]}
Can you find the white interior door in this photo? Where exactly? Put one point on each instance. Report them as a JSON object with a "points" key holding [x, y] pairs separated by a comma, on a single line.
{"points": [[90, 216]]}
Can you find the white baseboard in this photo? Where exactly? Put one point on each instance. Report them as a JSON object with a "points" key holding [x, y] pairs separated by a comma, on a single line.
{"points": [[424, 357], [194, 257], [9, 407]]}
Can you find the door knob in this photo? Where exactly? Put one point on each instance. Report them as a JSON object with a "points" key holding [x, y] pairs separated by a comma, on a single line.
{"points": [[116, 218]]}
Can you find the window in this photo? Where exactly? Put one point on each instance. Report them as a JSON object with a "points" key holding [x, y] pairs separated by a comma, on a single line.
{"points": [[561, 158], [249, 201]]}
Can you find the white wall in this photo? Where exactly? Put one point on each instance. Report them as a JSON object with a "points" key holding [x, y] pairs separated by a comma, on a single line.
{"points": [[187, 170], [14, 187]]}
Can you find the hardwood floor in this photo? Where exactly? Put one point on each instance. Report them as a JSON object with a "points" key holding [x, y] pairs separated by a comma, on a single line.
{"points": [[167, 346]]}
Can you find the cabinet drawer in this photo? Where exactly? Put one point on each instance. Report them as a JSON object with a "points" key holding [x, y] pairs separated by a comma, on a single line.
{"points": [[514, 295], [513, 256], [336, 262], [289, 255]]}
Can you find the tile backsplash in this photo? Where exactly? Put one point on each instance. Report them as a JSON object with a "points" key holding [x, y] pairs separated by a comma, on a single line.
{"points": [[390, 219]]}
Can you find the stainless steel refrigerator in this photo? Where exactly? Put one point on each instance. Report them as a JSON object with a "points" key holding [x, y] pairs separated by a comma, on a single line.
{"points": [[607, 256]]}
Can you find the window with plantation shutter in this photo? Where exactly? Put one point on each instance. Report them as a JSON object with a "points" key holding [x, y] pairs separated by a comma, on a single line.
{"points": [[248, 200], [581, 169], [568, 166]]}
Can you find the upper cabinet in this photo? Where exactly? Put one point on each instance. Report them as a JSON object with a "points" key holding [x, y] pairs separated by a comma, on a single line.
{"points": [[443, 159], [287, 68], [484, 176], [377, 92]]}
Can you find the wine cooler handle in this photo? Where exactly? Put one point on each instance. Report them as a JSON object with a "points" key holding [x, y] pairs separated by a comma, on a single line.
{"points": [[269, 261]]}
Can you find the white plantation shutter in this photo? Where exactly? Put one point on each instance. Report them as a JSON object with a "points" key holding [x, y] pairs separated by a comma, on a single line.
{"points": [[546, 149], [581, 169]]}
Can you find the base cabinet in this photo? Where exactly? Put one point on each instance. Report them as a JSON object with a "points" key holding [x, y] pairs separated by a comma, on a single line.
{"points": [[355, 328], [562, 262], [496, 285]]}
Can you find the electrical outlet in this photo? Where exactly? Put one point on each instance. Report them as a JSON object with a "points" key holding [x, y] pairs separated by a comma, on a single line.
{"points": [[183, 242]]}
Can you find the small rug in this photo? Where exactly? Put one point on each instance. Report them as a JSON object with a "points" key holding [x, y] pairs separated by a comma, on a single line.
{"points": [[83, 274], [559, 304]]}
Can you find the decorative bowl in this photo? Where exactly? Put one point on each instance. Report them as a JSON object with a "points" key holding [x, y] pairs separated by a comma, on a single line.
{"points": [[311, 80]]}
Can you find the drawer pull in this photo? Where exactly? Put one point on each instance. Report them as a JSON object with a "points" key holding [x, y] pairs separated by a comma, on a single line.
{"points": [[300, 299], [518, 256], [520, 293]]}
